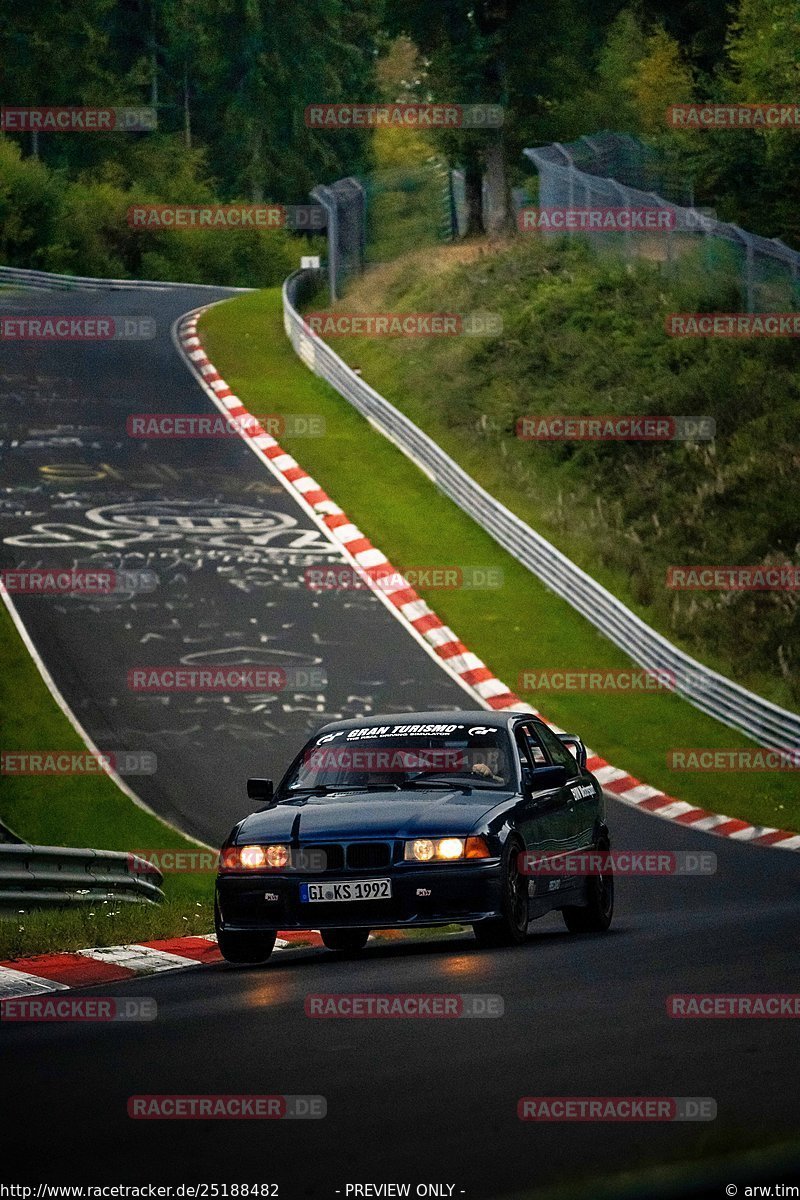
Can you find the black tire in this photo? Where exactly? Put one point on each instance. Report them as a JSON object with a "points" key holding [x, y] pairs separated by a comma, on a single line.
{"points": [[350, 941], [243, 947], [594, 917], [511, 929], [246, 947]]}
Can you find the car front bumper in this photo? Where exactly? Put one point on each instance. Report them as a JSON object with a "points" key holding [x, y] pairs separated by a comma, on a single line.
{"points": [[430, 895]]}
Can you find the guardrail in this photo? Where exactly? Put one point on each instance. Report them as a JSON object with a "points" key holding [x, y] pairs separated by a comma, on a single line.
{"points": [[712, 693], [49, 280], [58, 876]]}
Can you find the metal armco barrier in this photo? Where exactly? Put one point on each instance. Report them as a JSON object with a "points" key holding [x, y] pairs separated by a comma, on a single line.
{"points": [[50, 281], [759, 719], [58, 876]]}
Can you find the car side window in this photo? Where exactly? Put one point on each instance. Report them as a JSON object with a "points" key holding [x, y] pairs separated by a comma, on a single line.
{"points": [[558, 752], [523, 752], [535, 753]]}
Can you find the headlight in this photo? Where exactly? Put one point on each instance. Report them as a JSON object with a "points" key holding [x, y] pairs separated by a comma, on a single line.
{"points": [[254, 858], [446, 849]]}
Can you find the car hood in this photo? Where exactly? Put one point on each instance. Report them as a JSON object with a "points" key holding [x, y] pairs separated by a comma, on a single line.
{"points": [[352, 815]]}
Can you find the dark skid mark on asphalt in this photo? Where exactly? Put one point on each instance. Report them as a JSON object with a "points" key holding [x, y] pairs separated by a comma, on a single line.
{"points": [[228, 544]]}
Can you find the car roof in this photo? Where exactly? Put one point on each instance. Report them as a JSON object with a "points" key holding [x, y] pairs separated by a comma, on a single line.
{"points": [[493, 720]]}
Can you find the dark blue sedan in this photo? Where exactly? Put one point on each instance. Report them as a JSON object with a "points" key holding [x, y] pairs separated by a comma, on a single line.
{"points": [[418, 819]]}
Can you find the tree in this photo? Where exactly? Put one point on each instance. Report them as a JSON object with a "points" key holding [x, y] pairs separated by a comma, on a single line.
{"points": [[527, 56], [659, 78]]}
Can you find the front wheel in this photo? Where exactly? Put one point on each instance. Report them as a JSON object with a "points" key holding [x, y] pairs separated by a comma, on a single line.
{"points": [[511, 928], [594, 917], [243, 948], [350, 941], [246, 947]]}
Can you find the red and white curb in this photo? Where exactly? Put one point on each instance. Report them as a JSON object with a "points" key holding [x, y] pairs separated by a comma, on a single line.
{"points": [[115, 964], [409, 608]]}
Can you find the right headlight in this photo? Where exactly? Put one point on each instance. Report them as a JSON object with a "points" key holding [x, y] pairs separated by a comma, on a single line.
{"points": [[255, 858]]}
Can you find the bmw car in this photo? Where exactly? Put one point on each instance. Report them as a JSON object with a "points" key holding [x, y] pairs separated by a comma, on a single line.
{"points": [[417, 819]]}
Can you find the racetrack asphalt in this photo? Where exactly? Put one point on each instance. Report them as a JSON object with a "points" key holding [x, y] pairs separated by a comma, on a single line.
{"points": [[435, 1100], [407, 1100], [229, 548]]}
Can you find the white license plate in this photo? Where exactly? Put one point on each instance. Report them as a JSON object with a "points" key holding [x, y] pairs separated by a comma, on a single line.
{"points": [[355, 889]]}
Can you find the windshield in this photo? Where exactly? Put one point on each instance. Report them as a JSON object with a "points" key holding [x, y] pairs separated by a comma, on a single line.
{"points": [[404, 756]]}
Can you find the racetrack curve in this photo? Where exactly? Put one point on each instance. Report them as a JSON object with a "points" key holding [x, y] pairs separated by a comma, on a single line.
{"points": [[229, 548], [408, 1100]]}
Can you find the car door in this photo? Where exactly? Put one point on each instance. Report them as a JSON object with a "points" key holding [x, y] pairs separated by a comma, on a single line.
{"points": [[582, 800], [545, 820]]}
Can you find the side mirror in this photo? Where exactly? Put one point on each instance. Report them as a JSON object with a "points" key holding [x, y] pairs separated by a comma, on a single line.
{"points": [[575, 746], [260, 790], [546, 778]]}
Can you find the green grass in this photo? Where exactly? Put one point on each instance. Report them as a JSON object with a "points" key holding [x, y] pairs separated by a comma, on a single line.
{"points": [[79, 810], [46, 931], [585, 336], [518, 627]]}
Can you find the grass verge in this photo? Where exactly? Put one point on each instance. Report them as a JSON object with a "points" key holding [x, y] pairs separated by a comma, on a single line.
{"points": [[517, 627], [585, 335]]}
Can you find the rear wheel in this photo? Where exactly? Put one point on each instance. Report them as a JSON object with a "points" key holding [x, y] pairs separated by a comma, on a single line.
{"points": [[348, 940], [240, 948], [594, 917], [510, 929]]}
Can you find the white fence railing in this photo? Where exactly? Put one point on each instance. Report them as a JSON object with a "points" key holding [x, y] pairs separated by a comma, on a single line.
{"points": [[709, 691]]}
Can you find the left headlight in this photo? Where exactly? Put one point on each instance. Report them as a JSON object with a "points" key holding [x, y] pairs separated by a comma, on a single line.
{"points": [[445, 849]]}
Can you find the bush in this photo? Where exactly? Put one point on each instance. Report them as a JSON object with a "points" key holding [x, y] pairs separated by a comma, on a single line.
{"points": [[80, 227]]}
